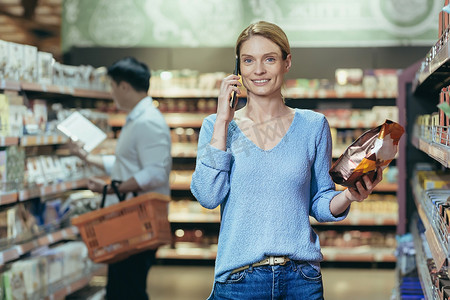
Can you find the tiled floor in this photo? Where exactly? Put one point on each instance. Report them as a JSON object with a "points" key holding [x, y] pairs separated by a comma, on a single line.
{"points": [[194, 283]]}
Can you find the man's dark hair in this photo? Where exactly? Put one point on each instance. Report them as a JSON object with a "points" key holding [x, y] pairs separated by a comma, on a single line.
{"points": [[132, 71]]}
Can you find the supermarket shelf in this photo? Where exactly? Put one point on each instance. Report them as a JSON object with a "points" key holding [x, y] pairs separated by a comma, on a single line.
{"points": [[438, 242], [8, 141], [188, 150], [186, 119], [186, 253], [46, 190], [194, 218], [16, 251], [438, 152], [64, 90], [428, 287], [67, 286], [9, 85], [358, 219], [288, 93], [333, 94], [381, 187], [363, 219], [431, 77], [180, 180], [359, 254], [8, 198], [41, 140], [195, 120], [184, 93]]}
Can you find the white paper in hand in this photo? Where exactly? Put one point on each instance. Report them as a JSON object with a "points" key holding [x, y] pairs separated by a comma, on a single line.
{"points": [[78, 128]]}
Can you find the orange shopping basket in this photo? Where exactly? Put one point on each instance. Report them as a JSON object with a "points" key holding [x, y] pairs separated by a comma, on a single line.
{"points": [[115, 232]]}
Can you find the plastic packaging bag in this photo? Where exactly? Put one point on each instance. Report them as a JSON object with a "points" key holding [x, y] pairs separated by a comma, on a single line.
{"points": [[375, 148]]}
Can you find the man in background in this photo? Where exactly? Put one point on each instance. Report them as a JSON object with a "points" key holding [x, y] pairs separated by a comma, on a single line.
{"points": [[142, 162]]}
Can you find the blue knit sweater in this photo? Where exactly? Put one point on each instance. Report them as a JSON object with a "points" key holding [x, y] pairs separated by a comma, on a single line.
{"points": [[266, 196]]}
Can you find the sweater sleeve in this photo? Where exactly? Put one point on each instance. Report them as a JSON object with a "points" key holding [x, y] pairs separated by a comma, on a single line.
{"points": [[210, 182], [322, 187]]}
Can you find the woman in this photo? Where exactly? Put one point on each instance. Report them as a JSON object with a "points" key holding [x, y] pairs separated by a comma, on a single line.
{"points": [[267, 166]]}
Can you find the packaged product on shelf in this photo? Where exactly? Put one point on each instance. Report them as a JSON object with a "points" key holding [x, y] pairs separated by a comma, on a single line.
{"points": [[58, 74], [14, 286], [433, 179], [99, 79], [45, 62], [70, 76], [3, 175], [35, 173], [55, 263], [4, 115], [85, 72], [40, 114], [30, 271], [387, 81], [369, 83], [14, 66], [15, 167], [375, 148], [29, 73], [16, 117], [51, 174], [4, 56], [73, 167], [349, 80], [79, 202], [385, 112]]}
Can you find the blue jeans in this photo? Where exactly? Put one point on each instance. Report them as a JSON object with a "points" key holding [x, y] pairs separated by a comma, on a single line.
{"points": [[294, 280]]}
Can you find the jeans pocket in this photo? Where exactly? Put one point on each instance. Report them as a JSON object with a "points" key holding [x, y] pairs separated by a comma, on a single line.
{"points": [[236, 277], [310, 271]]}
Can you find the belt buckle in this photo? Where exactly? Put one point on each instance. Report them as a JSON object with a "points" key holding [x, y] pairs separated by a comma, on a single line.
{"points": [[271, 260]]}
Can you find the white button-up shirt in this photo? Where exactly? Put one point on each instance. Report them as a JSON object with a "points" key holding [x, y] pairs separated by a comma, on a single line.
{"points": [[143, 150]]}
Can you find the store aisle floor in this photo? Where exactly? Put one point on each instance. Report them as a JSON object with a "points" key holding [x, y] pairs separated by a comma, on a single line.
{"points": [[194, 283]]}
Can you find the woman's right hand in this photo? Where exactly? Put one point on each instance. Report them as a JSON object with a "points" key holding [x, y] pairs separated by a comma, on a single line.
{"points": [[229, 84]]}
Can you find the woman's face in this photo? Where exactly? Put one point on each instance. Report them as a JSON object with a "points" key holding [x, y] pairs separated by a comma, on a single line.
{"points": [[262, 66]]}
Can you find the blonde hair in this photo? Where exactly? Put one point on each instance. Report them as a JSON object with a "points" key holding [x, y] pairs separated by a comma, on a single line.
{"points": [[269, 31]]}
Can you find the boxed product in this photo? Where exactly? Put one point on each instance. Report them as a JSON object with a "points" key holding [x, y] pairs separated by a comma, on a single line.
{"points": [[14, 66], [14, 286], [31, 274], [29, 73], [15, 167], [35, 172], [4, 115], [433, 180], [40, 114], [375, 148], [4, 56], [45, 63]]}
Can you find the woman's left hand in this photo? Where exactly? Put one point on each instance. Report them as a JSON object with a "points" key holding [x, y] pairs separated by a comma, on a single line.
{"points": [[361, 193]]}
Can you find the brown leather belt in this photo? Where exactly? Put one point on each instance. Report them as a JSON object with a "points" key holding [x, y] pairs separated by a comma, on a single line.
{"points": [[268, 261]]}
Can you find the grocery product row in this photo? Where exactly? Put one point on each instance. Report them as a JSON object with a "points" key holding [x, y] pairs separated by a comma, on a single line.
{"points": [[26, 63], [377, 209], [49, 273], [353, 82]]}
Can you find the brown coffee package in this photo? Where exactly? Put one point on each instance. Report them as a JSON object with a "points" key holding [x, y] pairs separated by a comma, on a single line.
{"points": [[375, 148]]}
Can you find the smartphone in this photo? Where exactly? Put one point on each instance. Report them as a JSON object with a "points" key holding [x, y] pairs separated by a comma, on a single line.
{"points": [[234, 98]]}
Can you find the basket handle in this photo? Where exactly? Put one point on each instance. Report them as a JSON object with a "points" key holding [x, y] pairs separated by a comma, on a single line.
{"points": [[115, 186]]}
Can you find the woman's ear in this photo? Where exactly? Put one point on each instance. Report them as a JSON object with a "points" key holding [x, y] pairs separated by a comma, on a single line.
{"points": [[288, 63]]}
